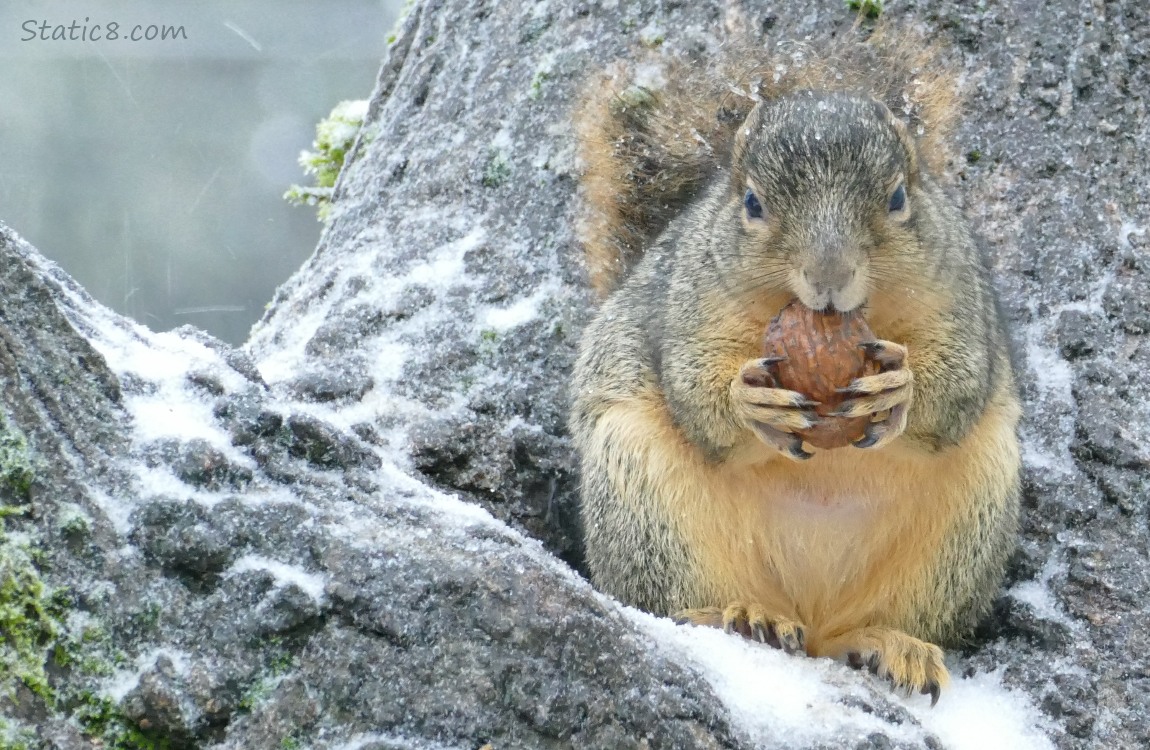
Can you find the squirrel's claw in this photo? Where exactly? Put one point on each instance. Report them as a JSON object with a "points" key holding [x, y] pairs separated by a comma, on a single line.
{"points": [[889, 355], [789, 444], [864, 407], [883, 382], [774, 414], [885, 430], [907, 663], [874, 664], [752, 621], [887, 393]]}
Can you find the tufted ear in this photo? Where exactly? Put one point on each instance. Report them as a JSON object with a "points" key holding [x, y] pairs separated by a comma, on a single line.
{"points": [[908, 143], [746, 131]]}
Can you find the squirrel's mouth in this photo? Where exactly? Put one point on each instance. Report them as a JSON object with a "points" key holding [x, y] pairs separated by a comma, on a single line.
{"points": [[831, 302]]}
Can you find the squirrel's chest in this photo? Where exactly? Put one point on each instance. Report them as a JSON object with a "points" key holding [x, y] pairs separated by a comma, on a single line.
{"points": [[811, 529], [833, 490], [817, 539]]}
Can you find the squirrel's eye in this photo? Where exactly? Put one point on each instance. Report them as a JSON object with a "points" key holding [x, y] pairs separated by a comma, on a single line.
{"points": [[898, 198], [751, 202]]}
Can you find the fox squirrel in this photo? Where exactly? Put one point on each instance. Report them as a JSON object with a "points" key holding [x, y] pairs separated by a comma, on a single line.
{"points": [[715, 197]]}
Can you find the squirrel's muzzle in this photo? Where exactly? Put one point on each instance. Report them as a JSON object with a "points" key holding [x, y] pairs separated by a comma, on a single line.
{"points": [[830, 275]]}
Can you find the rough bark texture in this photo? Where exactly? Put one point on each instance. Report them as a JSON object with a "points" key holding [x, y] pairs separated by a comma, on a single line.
{"points": [[270, 577]]}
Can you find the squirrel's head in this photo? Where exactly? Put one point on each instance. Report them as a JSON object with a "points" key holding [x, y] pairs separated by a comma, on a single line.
{"points": [[824, 188]]}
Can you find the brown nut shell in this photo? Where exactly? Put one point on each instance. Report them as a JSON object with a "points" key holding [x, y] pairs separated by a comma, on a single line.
{"points": [[823, 354]]}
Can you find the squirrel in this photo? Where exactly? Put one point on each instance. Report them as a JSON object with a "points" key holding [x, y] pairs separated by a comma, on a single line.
{"points": [[715, 197]]}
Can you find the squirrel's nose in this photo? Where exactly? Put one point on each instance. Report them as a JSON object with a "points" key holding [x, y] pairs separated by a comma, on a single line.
{"points": [[828, 278]]}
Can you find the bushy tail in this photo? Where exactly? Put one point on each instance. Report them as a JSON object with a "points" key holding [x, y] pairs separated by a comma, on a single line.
{"points": [[652, 133]]}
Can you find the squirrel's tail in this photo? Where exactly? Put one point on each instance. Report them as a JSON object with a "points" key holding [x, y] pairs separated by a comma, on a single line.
{"points": [[652, 133]]}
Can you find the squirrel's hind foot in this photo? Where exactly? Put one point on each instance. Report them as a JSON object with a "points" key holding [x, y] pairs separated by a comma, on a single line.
{"points": [[751, 621], [909, 664]]}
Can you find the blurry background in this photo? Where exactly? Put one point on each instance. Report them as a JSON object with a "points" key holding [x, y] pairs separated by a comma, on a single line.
{"points": [[153, 171]]}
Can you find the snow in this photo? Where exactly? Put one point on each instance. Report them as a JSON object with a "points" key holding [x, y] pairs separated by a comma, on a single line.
{"points": [[780, 699], [1049, 450], [772, 697], [1128, 228], [117, 509], [1052, 373], [445, 265], [650, 76], [978, 713], [502, 140], [652, 35], [442, 270], [1037, 593], [502, 319], [361, 741], [176, 415], [1037, 457], [162, 406], [126, 680], [311, 584], [1038, 597]]}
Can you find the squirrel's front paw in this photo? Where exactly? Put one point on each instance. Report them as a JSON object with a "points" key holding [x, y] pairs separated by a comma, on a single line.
{"points": [[750, 621], [909, 664], [774, 414], [889, 391]]}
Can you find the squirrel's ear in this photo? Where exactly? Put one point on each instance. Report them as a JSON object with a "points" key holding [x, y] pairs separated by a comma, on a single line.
{"points": [[904, 136], [908, 145], [746, 130]]}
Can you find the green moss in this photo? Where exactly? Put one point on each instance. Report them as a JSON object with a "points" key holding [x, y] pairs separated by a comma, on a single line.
{"points": [[29, 621], [148, 618], [16, 466], [281, 661], [27, 628], [98, 716], [258, 692], [33, 620], [497, 170], [74, 522], [15, 736], [537, 82], [652, 36], [334, 137], [488, 345], [868, 8], [633, 97], [403, 13], [973, 157]]}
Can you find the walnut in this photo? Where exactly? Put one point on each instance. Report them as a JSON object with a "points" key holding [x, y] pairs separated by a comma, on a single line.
{"points": [[823, 354]]}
